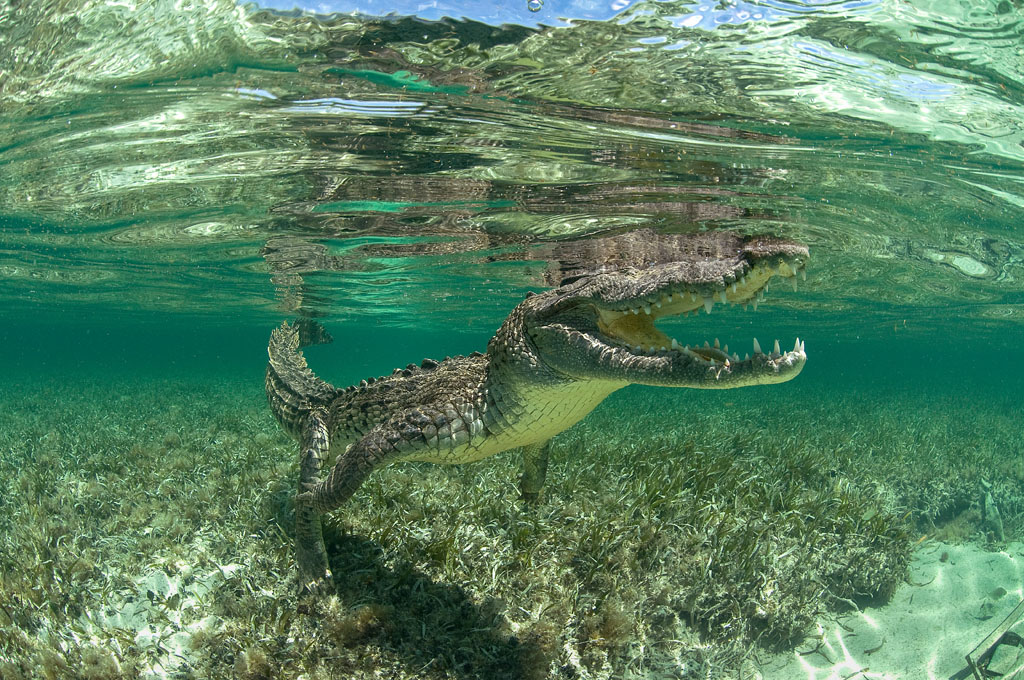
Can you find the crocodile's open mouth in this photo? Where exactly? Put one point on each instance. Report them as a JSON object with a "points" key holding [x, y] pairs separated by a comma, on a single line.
{"points": [[631, 325]]}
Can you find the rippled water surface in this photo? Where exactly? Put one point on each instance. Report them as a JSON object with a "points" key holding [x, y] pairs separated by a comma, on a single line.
{"points": [[210, 159]]}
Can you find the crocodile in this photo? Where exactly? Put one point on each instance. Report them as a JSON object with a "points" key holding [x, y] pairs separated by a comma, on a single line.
{"points": [[557, 355]]}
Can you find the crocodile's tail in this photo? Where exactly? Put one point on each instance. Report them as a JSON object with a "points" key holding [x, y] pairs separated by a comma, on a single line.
{"points": [[311, 333], [292, 389]]}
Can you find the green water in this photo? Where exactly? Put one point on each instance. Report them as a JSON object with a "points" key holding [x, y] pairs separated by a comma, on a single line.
{"points": [[176, 179]]}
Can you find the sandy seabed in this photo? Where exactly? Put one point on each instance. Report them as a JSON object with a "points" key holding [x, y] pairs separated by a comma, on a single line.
{"points": [[955, 596]]}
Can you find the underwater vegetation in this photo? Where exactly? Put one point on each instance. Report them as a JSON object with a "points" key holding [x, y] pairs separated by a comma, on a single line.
{"points": [[145, 531]]}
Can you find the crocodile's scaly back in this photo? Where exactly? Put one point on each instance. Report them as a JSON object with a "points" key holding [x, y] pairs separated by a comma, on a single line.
{"points": [[292, 388]]}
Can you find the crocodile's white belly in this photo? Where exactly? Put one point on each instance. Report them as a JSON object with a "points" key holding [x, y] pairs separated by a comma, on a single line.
{"points": [[543, 414]]}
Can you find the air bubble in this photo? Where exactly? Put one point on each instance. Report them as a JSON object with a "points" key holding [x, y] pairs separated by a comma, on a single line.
{"points": [[534, 5]]}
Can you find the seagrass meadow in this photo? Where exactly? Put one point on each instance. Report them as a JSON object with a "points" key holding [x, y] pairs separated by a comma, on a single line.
{"points": [[147, 520]]}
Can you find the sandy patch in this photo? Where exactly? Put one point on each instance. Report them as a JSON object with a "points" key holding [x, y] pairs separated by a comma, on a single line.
{"points": [[957, 595]]}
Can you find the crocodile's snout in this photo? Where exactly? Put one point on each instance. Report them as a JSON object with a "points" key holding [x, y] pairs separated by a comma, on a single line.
{"points": [[612, 326]]}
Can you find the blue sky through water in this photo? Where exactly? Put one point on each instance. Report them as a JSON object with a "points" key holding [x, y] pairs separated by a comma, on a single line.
{"points": [[706, 15]]}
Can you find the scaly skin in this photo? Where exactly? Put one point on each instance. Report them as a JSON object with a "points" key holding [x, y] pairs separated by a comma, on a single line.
{"points": [[555, 358]]}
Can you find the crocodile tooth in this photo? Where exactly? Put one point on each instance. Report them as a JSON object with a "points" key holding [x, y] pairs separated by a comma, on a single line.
{"points": [[668, 298], [638, 348], [776, 350], [745, 356], [708, 304], [757, 346], [635, 310], [736, 357], [706, 345], [663, 348], [647, 309], [803, 274], [721, 296], [734, 286], [794, 283], [717, 345], [693, 296], [651, 349], [726, 349], [658, 304], [755, 304], [743, 280], [796, 346], [675, 344]]}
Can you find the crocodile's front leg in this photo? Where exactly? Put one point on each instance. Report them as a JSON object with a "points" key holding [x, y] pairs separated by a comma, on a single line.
{"points": [[310, 551], [535, 468]]}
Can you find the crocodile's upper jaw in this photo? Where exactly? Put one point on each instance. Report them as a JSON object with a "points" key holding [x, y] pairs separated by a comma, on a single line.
{"points": [[609, 332]]}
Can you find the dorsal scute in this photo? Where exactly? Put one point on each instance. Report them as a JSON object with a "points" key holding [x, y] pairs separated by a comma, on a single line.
{"points": [[410, 370]]}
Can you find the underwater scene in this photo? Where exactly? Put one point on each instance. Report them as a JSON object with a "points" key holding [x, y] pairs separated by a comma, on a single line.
{"points": [[653, 339]]}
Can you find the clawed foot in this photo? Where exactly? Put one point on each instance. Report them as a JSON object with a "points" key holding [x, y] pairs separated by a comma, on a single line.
{"points": [[316, 587], [531, 498]]}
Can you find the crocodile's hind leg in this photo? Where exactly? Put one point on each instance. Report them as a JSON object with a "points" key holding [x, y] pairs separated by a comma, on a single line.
{"points": [[310, 551], [535, 468], [317, 496], [404, 434], [350, 470]]}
